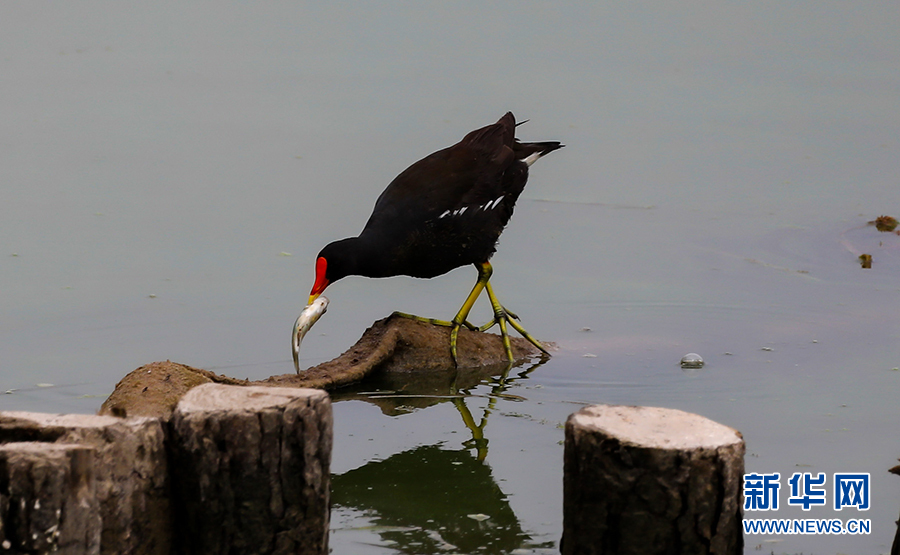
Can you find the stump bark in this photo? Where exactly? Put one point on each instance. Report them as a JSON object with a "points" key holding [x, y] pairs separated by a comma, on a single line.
{"points": [[643, 480], [129, 470], [48, 502], [250, 470]]}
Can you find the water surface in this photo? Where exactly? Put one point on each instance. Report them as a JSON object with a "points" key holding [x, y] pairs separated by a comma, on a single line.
{"points": [[171, 170]]}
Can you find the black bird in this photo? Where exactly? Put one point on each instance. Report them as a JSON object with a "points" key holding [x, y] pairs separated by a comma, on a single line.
{"points": [[445, 211]]}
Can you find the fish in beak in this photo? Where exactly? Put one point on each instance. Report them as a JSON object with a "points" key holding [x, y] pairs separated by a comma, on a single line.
{"points": [[309, 316]]}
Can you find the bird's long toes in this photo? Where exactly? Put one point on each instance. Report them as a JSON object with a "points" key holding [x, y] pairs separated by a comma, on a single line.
{"points": [[528, 336], [507, 345], [488, 325], [454, 333]]}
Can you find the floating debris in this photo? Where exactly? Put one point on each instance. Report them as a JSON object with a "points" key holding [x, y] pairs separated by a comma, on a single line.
{"points": [[865, 260], [692, 360], [480, 517], [885, 223], [767, 349], [589, 355], [284, 254], [151, 296], [895, 470]]}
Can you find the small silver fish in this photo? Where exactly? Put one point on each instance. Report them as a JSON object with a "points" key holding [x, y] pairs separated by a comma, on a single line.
{"points": [[305, 321]]}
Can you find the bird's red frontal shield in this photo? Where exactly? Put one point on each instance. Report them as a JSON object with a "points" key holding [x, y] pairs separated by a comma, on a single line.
{"points": [[321, 280]]}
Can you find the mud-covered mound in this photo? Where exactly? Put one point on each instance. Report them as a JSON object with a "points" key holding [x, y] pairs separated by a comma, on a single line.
{"points": [[394, 344]]}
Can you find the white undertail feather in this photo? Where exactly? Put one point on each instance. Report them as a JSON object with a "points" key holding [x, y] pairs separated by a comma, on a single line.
{"points": [[531, 159]]}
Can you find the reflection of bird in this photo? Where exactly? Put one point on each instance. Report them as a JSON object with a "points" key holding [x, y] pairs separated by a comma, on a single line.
{"points": [[445, 211]]}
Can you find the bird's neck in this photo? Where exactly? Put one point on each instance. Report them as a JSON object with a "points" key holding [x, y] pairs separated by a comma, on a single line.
{"points": [[355, 256], [371, 258]]}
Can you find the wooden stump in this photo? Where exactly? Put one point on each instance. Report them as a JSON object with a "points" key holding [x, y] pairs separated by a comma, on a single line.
{"points": [[646, 480], [250, 470], [48, 501], [130, 475]]}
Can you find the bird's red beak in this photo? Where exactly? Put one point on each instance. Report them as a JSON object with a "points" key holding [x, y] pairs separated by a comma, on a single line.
{"points": [[321, 280]]}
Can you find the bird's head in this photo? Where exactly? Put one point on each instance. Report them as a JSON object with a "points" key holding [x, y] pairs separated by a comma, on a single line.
{"points": [[337, 260]]}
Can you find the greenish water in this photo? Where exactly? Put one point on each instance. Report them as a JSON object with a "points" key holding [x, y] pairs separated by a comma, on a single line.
{"points": [[171, 170]]}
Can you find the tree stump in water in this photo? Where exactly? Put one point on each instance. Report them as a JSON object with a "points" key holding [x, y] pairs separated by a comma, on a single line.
{"points": [[48, 501], [250, 470], [129, 472], [646, 480]]}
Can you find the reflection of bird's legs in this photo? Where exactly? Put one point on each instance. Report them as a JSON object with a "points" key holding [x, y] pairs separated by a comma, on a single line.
{"points": [[478, 441]]}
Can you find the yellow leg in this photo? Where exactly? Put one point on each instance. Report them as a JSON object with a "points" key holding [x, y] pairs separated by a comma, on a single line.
{"points": [[501, 315], [484, 274]]}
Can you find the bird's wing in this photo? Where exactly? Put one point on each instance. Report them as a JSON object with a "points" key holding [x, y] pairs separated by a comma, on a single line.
{"points": [[468, 174]]}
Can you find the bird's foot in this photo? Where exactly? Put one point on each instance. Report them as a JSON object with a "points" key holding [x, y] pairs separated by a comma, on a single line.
{"points": [[435, 321], [502, 317], [454, 326]]}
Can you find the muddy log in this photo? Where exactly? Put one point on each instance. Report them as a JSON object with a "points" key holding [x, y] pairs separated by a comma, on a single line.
{"points": [[48, 501], [641, 480], [397, 344], [129, 472], [250, 470], [393, 344]]}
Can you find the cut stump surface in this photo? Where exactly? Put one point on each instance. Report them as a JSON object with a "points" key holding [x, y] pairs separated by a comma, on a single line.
{"points": [[642, 479]]}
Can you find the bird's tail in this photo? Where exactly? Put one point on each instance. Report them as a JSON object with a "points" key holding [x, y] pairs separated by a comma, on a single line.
{"points": [[491, 138], [531, 152]]}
